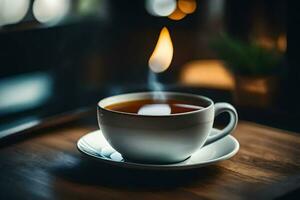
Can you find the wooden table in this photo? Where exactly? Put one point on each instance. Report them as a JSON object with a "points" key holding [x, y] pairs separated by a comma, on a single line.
{"points": [[48, 166]]}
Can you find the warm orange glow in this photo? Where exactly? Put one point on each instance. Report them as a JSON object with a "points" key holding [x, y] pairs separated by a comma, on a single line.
{"points": [[162, 55], [257, 86], [269, 43], [177, 15], [281, 43], [207, 73], [187, 6], [266, 42]]}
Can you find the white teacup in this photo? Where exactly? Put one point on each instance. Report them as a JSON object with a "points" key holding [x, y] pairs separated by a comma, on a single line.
{"points": [[164, 138]]}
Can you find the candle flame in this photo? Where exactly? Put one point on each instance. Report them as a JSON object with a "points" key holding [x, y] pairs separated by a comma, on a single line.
{"points": [[162, 55]]}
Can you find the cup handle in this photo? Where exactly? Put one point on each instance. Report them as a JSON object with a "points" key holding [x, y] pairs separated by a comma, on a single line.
{"points": [[221, 108]]}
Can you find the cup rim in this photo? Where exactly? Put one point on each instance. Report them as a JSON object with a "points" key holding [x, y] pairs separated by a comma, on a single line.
{"points": [[101, 106]]}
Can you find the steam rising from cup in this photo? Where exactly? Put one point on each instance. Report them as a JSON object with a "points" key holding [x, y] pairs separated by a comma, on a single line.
{"points": [[160, 61]]}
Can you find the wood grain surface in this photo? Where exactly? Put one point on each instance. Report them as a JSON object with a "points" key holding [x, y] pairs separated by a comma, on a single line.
{"points": [[49, 166]]}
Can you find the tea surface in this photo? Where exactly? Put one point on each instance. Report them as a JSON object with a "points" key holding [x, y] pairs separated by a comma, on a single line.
{"points": [[154, 107]]}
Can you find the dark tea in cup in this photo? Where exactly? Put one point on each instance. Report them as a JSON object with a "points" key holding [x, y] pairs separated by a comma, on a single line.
{"points": [[154, 107]]}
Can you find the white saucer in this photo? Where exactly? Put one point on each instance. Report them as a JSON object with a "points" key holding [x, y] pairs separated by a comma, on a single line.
{"points": [[95, 145]]}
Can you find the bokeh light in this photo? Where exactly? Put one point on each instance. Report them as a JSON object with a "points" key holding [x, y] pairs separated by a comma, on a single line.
{"points": [[50, 11], [24, 91], [13, 11], [187, 6], [207, 73], [160, 8], [177, 15], [162, 55]]}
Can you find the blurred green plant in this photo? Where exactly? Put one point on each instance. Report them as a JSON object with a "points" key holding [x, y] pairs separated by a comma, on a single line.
{"points": [[248, 59]]}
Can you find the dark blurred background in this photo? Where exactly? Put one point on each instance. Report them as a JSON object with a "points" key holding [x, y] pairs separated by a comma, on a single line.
{"points": [[61, 56]]}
